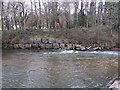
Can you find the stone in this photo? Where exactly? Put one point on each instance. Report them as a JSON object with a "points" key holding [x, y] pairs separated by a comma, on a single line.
{"points": [[51, 41], [48, 46], [115, 85], [62, 45], [42, 46], [97, 48], [34, 46], [16, 46], [21, 46], [65, 41], [80, 47], [10, 46], [59, 41], [73, 45], [55, 45], [27, 46], [69, 46], [89, 48], [44, 40], [38, 40], [83, 48]]}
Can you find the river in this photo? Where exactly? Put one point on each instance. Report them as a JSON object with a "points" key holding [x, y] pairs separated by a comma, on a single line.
{"points": [[58, 68]]}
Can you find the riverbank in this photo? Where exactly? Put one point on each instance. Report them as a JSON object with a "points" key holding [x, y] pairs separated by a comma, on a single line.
{"points": [[73, 39], [42, 43]]}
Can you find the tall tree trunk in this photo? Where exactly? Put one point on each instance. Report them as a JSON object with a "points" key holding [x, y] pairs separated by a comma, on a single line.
{"points": [[105, 19], [75, 13], [37, 25], [100, 15], [15, 21], [92, 13], [86, 11], [67, 19], [2, 12], [39, 15], [7, 23], [119, 16], [31, 6]]}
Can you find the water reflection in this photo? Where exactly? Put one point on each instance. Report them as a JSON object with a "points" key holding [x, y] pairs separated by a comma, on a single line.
{"points": [[45, 70]]}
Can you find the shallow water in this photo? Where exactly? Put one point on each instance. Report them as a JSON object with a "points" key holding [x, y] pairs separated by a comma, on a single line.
{"points": [[58, 69]]}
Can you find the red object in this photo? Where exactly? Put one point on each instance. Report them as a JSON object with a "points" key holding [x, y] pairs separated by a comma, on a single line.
{"points": [[57, 24]]}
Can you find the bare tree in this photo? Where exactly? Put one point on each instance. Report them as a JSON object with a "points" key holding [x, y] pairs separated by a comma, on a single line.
{"points": [[86, 11], [24, 15], [66, 8], [92, 14], [82, 16], [39, 15], [75, 13], [100, 13], [2, 14]]}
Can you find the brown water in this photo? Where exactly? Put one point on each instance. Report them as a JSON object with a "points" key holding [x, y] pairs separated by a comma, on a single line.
{"points": [[58, 69]]}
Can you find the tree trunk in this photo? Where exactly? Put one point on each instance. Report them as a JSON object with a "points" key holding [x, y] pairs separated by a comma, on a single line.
{"points": [[37, 20], [75, 13], [39, 15], [2, 12]]}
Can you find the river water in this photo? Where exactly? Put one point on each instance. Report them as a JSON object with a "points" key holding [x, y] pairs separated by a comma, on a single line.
{"points": [[58, 69]]}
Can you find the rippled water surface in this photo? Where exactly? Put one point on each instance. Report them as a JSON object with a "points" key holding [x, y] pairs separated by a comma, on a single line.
{"points": [[58, 69]]}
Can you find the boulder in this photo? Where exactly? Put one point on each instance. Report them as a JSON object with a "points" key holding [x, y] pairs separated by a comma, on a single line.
{"points": [[62, 45], [34, 46], [69, 46], [89, 48], [38, 40], [42, 46], [48, 46], [16, 46], [21, 46], [56, 46], [44, 40], [73, 45], [59, 41], [27, 46], [10, 46], [80, 47], [115, 85], [65, 41], [51, 41], [97, 48], [83, 48]]}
